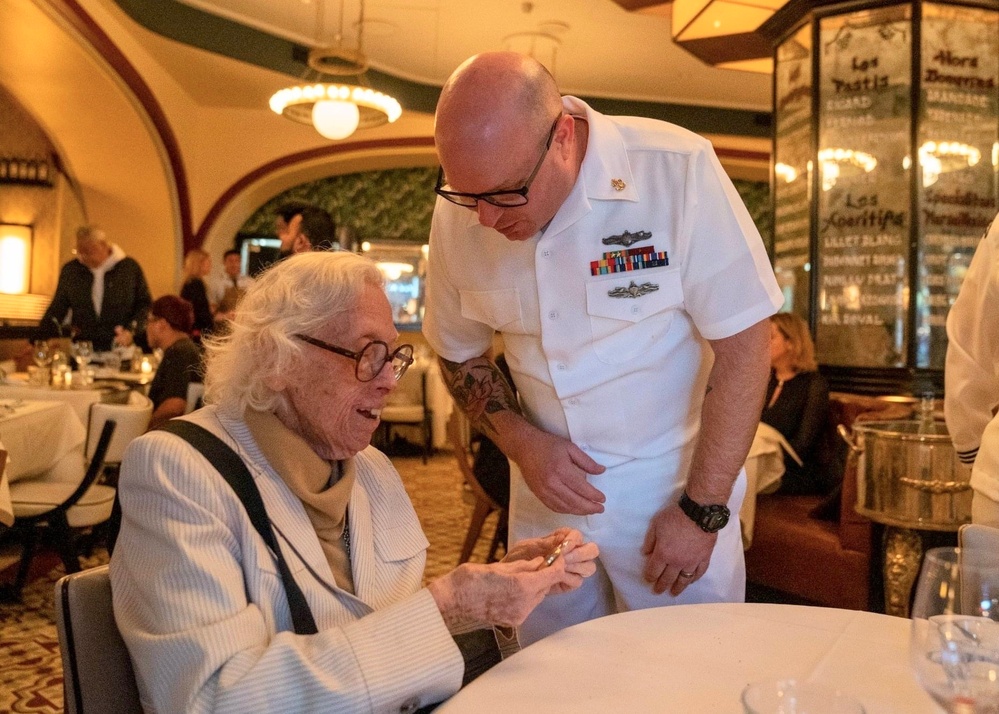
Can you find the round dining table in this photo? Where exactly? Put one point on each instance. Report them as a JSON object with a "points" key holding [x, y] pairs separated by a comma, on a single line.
{"points": [[79, 398], [698, 658], [37, 435]]}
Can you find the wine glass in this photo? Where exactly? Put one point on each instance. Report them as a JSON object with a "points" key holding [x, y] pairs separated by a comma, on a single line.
{"points": [[83, 352], [954, 637], [41, 353]]}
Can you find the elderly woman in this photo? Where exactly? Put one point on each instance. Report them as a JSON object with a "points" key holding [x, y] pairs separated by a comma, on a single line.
{"points": [[296, 391]]}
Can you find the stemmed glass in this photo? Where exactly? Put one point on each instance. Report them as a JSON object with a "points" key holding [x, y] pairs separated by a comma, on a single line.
{"points": [[83, 352], [41, 353], [954, 638]]}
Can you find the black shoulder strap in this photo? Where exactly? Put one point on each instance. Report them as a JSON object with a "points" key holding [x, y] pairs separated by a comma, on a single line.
{"points": [[234, 471]]}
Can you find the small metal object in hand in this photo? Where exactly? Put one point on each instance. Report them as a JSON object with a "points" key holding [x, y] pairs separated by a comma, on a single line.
{"points": [[555, 554]]}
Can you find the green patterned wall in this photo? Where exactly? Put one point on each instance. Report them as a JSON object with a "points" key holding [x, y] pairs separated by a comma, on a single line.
{"points": [[378, 205], [756, 196], [397, 204]]}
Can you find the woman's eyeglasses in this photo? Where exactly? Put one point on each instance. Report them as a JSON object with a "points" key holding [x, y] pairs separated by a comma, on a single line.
{"points": [[369, 362]]}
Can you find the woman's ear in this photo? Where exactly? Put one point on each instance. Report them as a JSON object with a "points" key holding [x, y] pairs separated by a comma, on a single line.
{"points": [[276, 382]]}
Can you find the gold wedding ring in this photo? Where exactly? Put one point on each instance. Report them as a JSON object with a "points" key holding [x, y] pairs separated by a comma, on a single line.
{"points": [[685, 574]]}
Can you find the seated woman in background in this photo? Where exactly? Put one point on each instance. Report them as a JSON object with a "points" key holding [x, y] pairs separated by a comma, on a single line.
{"points": [[169, 329], [797, 402]]}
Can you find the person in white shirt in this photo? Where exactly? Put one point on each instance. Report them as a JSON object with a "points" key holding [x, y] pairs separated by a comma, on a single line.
{"points": [[971, 377], [632, 291], [230, 287], [296, 391]]}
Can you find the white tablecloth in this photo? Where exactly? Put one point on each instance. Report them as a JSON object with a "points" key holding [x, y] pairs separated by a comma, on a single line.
{"points": [[698, 658], [764, 469], [79, 399], [37, 435]]}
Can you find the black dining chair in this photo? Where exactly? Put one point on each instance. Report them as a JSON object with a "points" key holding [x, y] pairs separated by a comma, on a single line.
{"points": [[65, 506]]}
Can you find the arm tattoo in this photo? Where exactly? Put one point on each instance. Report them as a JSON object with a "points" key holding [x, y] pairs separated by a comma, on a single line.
{"points": [[479, 389]]}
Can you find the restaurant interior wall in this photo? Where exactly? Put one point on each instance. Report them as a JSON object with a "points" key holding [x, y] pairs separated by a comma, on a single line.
{"points": [[51, 207], [886, 175], [398, 204]]}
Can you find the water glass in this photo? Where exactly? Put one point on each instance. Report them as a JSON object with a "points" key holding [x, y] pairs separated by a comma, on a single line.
{"points": [[954, 636], [792, 696]]}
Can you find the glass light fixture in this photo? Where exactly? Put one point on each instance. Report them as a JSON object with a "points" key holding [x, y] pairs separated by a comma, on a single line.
{"points": [[336, 109], [724, 33], [15, 258]]}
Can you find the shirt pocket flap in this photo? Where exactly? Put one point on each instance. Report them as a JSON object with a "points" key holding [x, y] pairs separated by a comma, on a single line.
{"points": [[401, 543], [668, 294], [495, 308]]}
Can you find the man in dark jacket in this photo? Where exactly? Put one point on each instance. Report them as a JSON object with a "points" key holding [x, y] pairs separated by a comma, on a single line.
{"points": [[102, 292]]}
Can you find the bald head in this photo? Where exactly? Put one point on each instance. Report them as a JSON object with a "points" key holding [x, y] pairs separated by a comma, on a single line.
{"points": [[492, 98]]}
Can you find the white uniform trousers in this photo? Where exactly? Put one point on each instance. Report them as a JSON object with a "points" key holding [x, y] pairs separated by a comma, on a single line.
{"points": [[635, 492]]}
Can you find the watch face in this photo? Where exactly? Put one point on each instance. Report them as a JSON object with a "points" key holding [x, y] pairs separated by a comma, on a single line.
{"points": [[715, 521]]}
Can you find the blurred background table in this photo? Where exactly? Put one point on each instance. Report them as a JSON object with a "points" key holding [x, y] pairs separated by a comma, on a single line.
{"points": [[79, 398], [699, 658]]}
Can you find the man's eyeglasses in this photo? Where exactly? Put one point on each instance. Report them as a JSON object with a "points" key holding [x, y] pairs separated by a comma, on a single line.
{"points": [[370, 361], [508, 198]]}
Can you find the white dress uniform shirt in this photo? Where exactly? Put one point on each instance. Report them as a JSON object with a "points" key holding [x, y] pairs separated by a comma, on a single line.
{"points": [[622, 378], [971, 376], [203, 611]]}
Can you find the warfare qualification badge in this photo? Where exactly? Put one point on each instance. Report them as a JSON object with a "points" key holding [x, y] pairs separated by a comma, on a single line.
{"points": [[633, 291], [627, 238]]}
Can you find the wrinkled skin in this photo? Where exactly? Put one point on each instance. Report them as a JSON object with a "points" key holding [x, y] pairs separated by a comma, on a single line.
{"points": [[505, 593]]}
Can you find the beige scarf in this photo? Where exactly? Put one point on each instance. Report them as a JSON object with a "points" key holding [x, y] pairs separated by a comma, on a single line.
{"points": [[324, 489]]}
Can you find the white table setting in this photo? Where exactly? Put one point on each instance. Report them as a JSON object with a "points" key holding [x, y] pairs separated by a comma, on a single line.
{"points": [[37, 435], [700, 658], [764, 470]]}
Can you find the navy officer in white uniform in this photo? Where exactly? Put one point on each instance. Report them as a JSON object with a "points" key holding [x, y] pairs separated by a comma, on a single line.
{"points": [[632, 291]]}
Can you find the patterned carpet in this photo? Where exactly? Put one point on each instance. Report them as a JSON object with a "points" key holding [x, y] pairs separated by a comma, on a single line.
{"points": [[30, 666]]}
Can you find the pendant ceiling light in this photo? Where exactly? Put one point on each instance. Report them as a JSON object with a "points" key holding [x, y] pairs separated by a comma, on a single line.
{"points": [[336, 109]]}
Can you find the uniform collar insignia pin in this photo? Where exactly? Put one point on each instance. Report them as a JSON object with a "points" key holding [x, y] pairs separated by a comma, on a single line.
{"points": [[618, 184], [627, 238], [633, 291]]}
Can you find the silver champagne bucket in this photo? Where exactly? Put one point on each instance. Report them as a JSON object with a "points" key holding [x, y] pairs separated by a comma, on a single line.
{"points": [[909, 479]]}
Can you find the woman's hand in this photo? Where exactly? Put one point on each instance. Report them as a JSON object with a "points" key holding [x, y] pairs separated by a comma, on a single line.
{"points": [[505, 593], [577, 556]]}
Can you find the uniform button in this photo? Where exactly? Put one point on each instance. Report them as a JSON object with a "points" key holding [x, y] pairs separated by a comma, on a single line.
{"points": [[574, 402], [547, 253], [409, 706], [635, 309], [560, 367], [553, 315], [584, 447]]}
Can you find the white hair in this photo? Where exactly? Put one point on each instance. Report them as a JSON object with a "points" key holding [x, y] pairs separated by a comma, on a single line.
{"points": [[300, 294]]}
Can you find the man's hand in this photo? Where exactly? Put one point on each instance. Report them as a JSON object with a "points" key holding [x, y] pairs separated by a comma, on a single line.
{"points": [[678, 551], [578, 557], [122, 336], [555, 470]]}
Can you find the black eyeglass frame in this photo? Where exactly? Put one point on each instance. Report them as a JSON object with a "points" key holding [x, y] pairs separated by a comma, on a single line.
{"points": [[403, 352], [489, 196]]}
